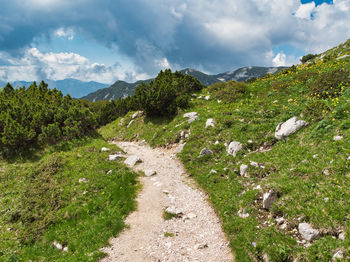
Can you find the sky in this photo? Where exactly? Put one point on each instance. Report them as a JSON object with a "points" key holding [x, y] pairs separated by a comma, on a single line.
{"points": [[106, 40]]}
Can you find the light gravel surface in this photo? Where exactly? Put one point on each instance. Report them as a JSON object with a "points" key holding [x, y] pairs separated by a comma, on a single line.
{"points": [[197, 230]]}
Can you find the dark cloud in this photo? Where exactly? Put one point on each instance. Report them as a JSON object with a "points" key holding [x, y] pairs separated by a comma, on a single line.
{"points": [[210, 34]]}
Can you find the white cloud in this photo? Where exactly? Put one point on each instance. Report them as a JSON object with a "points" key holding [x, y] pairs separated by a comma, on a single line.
{"points": [[305, 10], [280, 60], [65, 33], [35, 65]]}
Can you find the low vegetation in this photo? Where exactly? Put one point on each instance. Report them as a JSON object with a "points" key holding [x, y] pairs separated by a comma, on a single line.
{"points": [[308, 171]]}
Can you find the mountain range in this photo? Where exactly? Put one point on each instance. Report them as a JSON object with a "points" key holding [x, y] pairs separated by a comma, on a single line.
{"points": [[123, 89], [95, 91]]}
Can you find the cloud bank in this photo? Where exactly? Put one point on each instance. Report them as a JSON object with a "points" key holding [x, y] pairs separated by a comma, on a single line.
{"points": [[211, 35]]}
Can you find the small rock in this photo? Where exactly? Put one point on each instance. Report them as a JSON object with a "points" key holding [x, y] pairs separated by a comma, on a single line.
{"points": [[213, 171], [217, 142], [109, 172], [132, 161], [242, 214], [219, 101], [338, 138], [57, 245], [173, 210], [205, 151], [143, 143], [338, 255], [200, 246], [342, 236], [234, 148], [191, 216], [289, 127], [250, 141], [280, 220], [268, 199], [179, 148], [182, 134], [258, 187], [115, 157], [104, 149], [132, 121], [326, 199], [138, 113], [150, 173], [243, 169], [65, 249], [266, 258], [284, 226], [210, 123], [255, 164], [307, 232], [342, 57], [83, 180], [207, 97], [315, 156], [326, 172], [348, 158], [192, 116]]}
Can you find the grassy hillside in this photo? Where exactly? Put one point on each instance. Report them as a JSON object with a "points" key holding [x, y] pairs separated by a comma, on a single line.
{"points": [[309, 171], [64, 195]]}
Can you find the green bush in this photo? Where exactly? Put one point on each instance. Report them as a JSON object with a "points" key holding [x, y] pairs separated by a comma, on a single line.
{"points": [[231, 92], [330, 84], [165, 94], [307, 57]]}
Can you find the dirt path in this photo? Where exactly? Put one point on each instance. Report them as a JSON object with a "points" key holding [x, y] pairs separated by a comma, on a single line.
{"points": [[196, 235]]}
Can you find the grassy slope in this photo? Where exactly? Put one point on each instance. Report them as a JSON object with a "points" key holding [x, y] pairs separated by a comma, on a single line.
{"points": [[291, 167], [42, 200]]}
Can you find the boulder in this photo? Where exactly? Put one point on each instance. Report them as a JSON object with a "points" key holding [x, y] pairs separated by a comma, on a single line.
{"points": [[289, 127], [205, 151], [233, 148], [268, 199], [132, 161], [243, 169], [307, 232], [210, 123], [191, 116]]}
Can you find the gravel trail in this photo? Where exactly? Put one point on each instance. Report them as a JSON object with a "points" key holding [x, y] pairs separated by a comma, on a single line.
{"points": [[194, 235]]}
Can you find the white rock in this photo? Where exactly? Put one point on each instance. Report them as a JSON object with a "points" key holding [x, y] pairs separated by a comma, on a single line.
{"points": [[258, 187], [205, 151], [132, 160], [326, 199], [173, 210], [192, 116], [57, 245], [219, 101], [182, 134], [255, 164], [65, 249], [104, 149], [307, 232], [243, 169], [207, 97], [342, 57], [109, 172], [138, 113], [338, 138], [210, 123], [233, 148], [280, 220], [179, 148], [213, 171], [217, 142], [289, 127], [83, 180], [266, 258], [242, 214], [338, 255], [150, 173], [115, 157], [348, 158], [132, 121], [341, 236], [315, 156], [268, 199]]}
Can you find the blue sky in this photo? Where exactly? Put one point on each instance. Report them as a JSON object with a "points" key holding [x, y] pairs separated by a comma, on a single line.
{"points": [[105, 41]]}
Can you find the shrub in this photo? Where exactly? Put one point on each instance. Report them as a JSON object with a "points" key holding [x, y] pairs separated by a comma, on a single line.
{"points": [[316, 109], [231, 92], [307, 57], [330, 84]]}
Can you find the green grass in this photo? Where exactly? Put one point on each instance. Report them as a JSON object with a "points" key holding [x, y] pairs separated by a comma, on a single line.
{"points": [[168, 215], [42, 201], [291, 168], [167, 234]]}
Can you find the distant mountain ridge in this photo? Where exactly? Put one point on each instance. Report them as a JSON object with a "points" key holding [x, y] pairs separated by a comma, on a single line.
{"points": [[123, 89], [75, 88]]}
